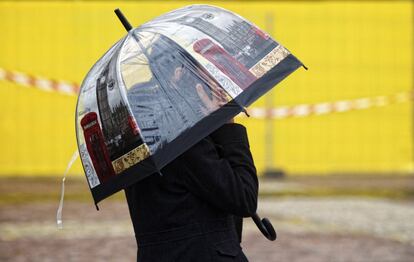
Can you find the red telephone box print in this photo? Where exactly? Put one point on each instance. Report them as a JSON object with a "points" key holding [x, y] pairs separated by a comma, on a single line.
{"points": [[225, 62], [96, 147]]}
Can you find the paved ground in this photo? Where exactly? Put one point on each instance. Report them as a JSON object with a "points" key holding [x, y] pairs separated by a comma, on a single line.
{"points": [[334, 228]]}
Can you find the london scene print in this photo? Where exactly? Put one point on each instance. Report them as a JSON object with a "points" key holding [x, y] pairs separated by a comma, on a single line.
{"points": [[111, 134]]}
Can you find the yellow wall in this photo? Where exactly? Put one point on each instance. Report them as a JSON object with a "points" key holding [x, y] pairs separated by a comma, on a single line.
{"points": [[353, 49]]}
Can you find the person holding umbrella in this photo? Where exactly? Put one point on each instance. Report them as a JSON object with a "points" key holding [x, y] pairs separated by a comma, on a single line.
{"points": [[194, 210], [191, 178]]}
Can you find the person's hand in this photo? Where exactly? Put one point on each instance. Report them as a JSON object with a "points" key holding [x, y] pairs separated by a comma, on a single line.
{"points": [[218, 97]]}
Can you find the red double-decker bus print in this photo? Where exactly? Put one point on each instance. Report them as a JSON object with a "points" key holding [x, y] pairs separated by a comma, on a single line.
{"points": [[225, 62], [96, 147]]}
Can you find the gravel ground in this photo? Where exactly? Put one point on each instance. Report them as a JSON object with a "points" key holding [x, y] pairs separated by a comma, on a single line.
{"points": [[289, 247], [309, 229], [383, 218]]}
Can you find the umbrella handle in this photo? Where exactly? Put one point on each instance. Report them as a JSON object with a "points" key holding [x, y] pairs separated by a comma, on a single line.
{"points": [[265, 226]]}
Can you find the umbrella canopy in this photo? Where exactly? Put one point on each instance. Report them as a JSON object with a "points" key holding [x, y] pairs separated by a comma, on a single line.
{"points": [[165, 86]]}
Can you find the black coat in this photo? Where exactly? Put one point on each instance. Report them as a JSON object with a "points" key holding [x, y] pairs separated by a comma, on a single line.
{"points": [[188, 213]]}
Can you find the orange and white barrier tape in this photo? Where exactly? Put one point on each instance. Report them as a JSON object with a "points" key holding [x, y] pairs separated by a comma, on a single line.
{"points": [[43, 83], [323, 108], [281, 112]]}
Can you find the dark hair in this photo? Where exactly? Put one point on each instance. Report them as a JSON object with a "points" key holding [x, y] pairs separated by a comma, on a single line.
{"points": [[166, 55]]}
